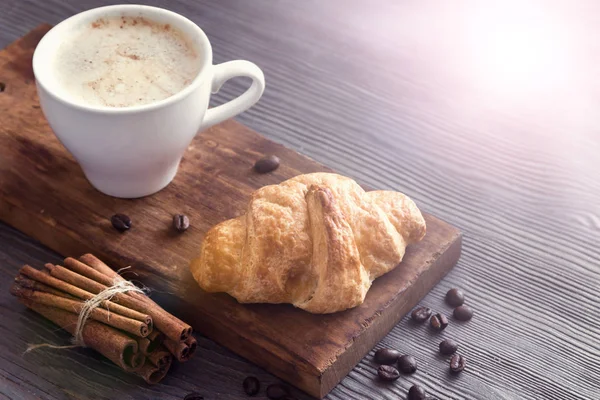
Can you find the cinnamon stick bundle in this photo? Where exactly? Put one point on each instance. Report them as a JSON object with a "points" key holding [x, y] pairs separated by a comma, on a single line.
{"points": [[129, 328]]}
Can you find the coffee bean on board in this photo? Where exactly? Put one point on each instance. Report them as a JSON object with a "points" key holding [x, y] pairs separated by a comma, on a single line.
{"points": [[193, 396], [407, 364], [386, 356], [181, 222], [463, 313], [416, 392], [457, 363], [448, 347], [439, 322], [266, 164], [251, 385], [455, 297], [421, 314], [388, 373], [121, 222]]}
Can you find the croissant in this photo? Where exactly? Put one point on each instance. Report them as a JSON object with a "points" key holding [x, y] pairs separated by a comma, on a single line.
{"points": [[316, 241]]}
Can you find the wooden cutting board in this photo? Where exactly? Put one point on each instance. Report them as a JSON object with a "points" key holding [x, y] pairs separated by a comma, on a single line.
{"points": [[44, 194]]}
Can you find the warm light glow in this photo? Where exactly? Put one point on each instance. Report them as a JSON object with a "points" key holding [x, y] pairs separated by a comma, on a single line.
{"points": [[517, 49]]}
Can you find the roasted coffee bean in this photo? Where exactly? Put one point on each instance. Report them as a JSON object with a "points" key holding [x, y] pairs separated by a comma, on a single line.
{"points": [[455, 297], [439, 322], [181, 222], [388, 373], [448, 347], [193, 396], [457, 363], [416, 392], [407, 364], [277, 391], [2, 87], [266, 164], [421, 314], [386, 356], [121, 222], [463, 313], [251, 385]]}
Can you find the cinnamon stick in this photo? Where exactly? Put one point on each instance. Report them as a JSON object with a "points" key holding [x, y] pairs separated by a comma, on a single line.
{"points": [[193, 345], [88, 272], [171, 326], [26, 282], [182, 351], [151, 342], [161, 357], [153, 374], [48, 280], [99, 266], [132, 326], [111, 343]]}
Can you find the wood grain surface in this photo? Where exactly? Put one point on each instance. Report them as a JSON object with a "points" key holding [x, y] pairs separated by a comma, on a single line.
{"points": [[44, 194], [486, 113]]}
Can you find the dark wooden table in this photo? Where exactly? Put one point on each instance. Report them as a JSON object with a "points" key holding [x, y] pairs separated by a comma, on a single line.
{"points": [[486, 113]]}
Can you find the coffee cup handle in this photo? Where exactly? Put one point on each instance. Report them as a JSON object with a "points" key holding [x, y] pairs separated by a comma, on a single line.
{"points": [[221, 74]]}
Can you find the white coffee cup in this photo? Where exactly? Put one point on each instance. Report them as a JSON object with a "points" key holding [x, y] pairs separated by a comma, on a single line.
{"points": [[135, 151]]}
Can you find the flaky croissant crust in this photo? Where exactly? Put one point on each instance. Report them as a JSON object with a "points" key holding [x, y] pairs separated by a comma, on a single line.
{"points": [[316, 241]]}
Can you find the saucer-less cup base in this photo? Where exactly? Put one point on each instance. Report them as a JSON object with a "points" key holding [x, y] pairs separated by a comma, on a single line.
{"points": [[135, 151], [129, 187]]}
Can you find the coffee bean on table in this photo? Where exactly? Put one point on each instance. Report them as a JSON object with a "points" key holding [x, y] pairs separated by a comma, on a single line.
{"points": [[421, 314], [386, 356], [455, 297], [121, 222], [251, 385], [277, 391], [463, 313], [266, 164], [439, 322], [416, 392], [448, 347], [407, 364], [193, 396], [388, 373], [181, 222], [457, 363]]}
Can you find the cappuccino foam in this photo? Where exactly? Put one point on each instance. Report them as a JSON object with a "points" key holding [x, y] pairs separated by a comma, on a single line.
{"points": [[124, 62]]}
